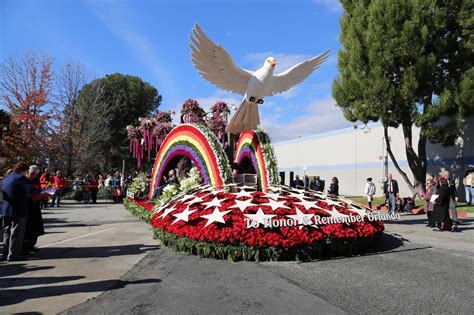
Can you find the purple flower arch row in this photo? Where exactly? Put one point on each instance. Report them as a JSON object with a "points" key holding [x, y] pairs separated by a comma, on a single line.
{"points": [[184, 150], [248, 152]]}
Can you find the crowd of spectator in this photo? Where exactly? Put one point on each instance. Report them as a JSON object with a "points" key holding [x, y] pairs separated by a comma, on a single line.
{"points": [[22, 221], [27, 189], [440, 196]]}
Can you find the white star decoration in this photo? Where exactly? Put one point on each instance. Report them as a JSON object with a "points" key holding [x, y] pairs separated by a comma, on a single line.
{"points": [[317, 194], [243, 193], [206, 188], [243, 204], [160, 207], [168, 211], [260, 217], [336, 214], [213, 203], [273, 196], [302, 218], [308, 204], [299, 195], [195, 199], [215, 216], [330, 202], [275, 204], [183, 216], [246, 187], [186, 197], [215, 192], [361, 212], [274, 189]]}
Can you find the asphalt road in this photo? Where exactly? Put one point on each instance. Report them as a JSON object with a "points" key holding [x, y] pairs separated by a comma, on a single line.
{"points": [[416, 271]]}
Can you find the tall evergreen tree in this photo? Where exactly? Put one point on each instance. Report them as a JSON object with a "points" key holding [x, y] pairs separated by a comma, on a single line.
{"points": [[126, 98], [408, 63]]}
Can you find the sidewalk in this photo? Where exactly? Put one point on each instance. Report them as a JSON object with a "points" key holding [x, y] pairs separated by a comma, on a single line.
{"points": [[412, 228], [85, 250]]}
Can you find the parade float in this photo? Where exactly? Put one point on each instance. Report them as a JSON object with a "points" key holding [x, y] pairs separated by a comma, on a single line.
{"points": [[228, 202]]}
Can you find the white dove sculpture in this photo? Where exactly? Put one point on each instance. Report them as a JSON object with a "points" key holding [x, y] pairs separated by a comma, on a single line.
{"points": [[216, 66]]}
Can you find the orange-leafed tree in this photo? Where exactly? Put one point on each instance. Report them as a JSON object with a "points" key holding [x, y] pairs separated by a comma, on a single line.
{"points": [[25, 86]]}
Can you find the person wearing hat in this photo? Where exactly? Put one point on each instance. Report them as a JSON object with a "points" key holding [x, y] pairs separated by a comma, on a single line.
{"points": [[370, 191]]}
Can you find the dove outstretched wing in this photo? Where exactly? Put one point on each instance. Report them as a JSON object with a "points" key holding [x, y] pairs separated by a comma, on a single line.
{"points": [[215, 64], [296, 74]]}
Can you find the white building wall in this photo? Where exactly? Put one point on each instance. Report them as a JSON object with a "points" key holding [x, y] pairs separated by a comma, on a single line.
{"points": [[353, 154]]}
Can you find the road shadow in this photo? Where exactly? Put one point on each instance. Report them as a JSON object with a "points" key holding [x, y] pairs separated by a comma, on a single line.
{"points": [[391, 243], [464, 224], [91, 252], [49, 223], [71, 225], [23, 282], [11, 297], [8, 269], [81, 203], [423, 220], [388, 243]]}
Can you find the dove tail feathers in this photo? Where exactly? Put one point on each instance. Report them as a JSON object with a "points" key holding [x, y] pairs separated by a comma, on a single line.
{"points": [[246, 118]]}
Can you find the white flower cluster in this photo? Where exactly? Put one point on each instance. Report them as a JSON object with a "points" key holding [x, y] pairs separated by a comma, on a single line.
{"points": [[138, 184], [192, 181]]}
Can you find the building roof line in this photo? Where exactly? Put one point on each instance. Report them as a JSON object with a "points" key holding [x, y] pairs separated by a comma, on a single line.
{"points": [[329, 133]]}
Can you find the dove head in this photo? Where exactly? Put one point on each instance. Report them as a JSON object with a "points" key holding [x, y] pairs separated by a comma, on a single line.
{"points": [[270, 62]]}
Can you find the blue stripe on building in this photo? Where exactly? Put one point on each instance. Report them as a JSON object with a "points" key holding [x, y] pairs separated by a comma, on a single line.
{"points": [[467, 161]]}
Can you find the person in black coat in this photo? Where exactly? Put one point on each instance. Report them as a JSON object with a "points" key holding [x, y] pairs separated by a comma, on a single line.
{"points": [[391, 192], [334, 187], [441, 206], [16, 190], [34, 221], [317, 184], [297, 183]]}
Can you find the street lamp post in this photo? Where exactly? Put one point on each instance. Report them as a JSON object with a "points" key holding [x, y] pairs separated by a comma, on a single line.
{"points": [[385, 157]]}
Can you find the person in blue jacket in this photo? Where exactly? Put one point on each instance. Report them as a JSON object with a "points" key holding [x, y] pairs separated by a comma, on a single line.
{"points": [[16, 190]]}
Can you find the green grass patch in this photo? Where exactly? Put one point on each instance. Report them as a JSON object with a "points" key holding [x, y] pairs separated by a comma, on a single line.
{"points": [[380, 201], [464, 207]]}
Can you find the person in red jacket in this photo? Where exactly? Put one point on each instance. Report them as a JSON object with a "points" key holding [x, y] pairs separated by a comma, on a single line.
{"points": [[45, 182], [94, 188], [60, 184]]}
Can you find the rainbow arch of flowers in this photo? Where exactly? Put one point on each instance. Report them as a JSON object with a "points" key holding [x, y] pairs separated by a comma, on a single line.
{"points": [[255, 145], [199, 144]]}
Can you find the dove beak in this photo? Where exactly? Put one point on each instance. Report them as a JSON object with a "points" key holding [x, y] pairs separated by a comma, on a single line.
{"points": [[273, 63]]}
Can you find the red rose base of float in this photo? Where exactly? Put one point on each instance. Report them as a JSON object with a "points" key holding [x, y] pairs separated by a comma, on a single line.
{"points": [[213, 227]]}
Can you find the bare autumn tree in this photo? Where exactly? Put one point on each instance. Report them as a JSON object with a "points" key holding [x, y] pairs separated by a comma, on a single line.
{"points": [[66, 132], [93, 128], [25, 86]]}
